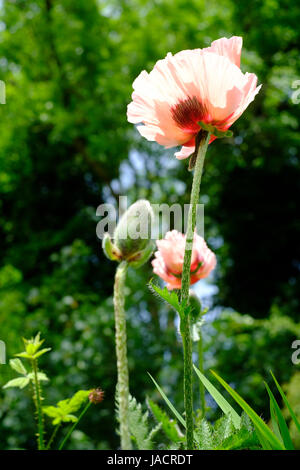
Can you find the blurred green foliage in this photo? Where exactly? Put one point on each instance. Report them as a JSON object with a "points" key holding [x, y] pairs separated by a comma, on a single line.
{"points": [[66, 147]]}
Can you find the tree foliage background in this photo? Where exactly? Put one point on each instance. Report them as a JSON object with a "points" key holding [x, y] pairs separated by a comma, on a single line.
{"points": [[66, 147]]}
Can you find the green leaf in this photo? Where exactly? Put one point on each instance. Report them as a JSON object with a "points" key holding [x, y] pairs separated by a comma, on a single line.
{"points": [[204, 435], [293, 415], [172, 408], [25, 355], [138, 425], [171, 298], [223, 428], [77, 400], [63, 411], [219, 399], [260, 425], [32, 347], [41, 352], [276, 413], [51, 411], [20, 382], [18, 366], [240, 440], [41, 376], [169, 426]]}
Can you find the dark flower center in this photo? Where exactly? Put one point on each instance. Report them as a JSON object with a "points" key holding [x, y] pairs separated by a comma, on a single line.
{"points": [[187, 113]]}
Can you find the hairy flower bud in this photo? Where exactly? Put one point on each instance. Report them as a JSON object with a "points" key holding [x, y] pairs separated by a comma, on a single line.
{"points": [[132, 237]]}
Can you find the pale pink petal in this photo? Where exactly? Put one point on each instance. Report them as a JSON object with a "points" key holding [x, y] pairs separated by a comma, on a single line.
{"points": [[213, 79], [231, 48], [250, 90], [184, 152]]}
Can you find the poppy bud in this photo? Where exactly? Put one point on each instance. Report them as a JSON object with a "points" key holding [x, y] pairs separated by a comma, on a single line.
{"points": [[132, 237]]}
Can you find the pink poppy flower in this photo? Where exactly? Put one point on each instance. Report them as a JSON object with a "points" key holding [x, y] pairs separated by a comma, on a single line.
{"points": [[168, 262], [204, 85]]}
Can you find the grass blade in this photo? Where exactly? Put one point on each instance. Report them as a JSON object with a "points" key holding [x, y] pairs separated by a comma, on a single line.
{"points": [[219, 399], [259, 424], [284, 431], [172, 408], [293, 416]]}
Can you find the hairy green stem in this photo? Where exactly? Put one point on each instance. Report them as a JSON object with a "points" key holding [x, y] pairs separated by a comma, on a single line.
{"points": [[185, 327], [53, 436], [201, 368], [74, 425], [38, 405], [121, 350]]}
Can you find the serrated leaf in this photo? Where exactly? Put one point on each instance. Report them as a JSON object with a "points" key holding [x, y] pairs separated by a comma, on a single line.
{"points": [[169, 426], [246, 422], [204, 435], [240, 440], [63, 411], [260, 425], [171, 298], [67, 419], [77, 400], [138, 425], [18, 366], [20, 382], [51, 411], [224, 428]]}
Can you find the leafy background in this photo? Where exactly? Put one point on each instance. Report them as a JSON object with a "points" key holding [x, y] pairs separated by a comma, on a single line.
{"points": [[66, 147]]}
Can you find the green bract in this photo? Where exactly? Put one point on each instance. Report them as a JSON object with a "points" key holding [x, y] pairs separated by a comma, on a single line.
{"points": [[214, 131]]}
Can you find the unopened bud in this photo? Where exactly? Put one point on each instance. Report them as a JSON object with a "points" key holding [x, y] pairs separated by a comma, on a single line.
{"points": [[96, 396], [132, 237]]}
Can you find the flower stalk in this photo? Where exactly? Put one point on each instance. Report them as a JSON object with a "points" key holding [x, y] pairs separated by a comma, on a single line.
{"points": [[87, 406], [121, 351], [201, 368], [53, 435], [185, 327], [37, 397]]}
